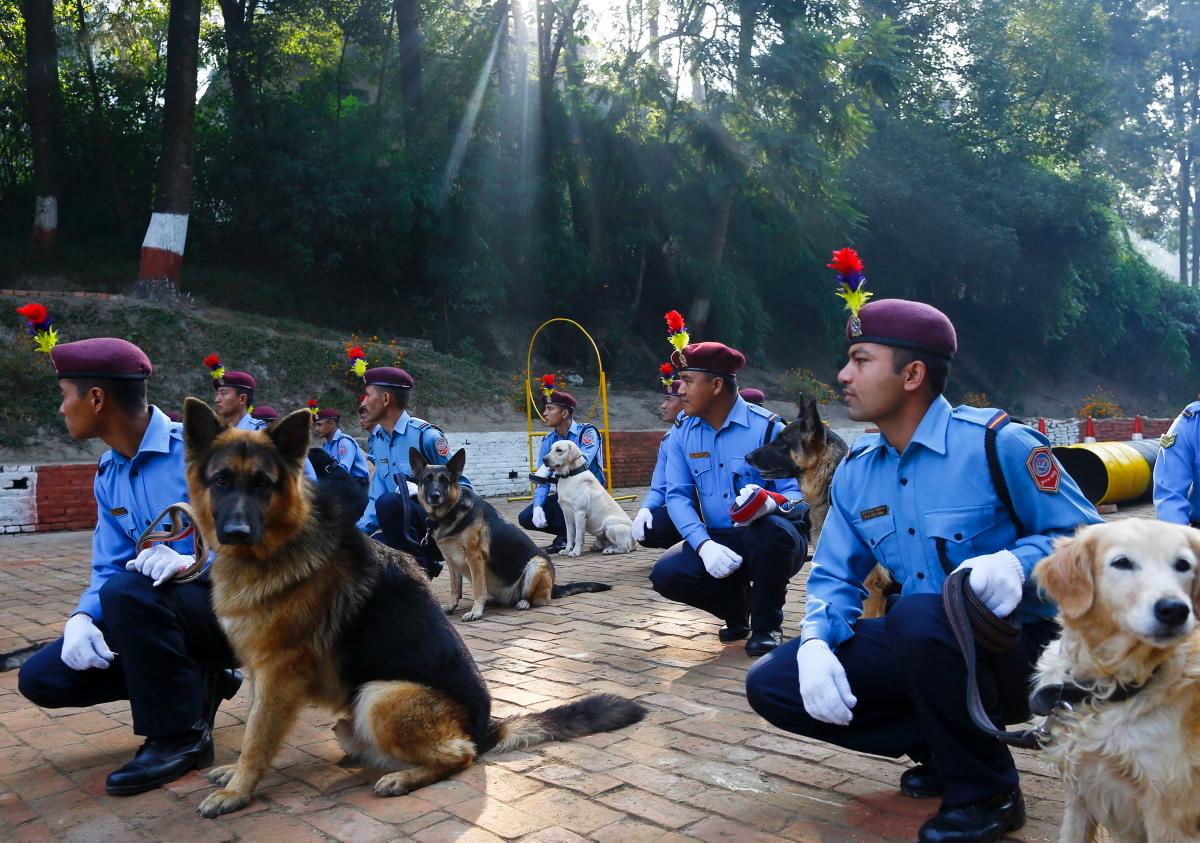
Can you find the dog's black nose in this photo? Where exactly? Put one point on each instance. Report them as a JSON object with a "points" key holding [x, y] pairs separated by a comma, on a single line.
{"points": [[1170, 612], [234, 532], [434, 497]]}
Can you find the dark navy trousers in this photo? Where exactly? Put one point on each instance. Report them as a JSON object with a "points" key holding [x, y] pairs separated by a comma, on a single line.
{"points": [[402, 522], [909, 677], [772, 552], [662, 532], [556, 522], [166, 639]]}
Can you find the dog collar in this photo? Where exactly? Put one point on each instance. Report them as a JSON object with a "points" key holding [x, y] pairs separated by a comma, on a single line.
{"points": [[1045, 701], [573, 472]]}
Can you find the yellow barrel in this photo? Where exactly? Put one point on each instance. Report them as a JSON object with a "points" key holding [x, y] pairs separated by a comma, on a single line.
{"points": [[1110, 472]]}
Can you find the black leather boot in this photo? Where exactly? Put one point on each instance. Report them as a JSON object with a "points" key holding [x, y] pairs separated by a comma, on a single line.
{"points": [[923, 781], [761, 643], [161, 761], [984, 821], [219, 685]]}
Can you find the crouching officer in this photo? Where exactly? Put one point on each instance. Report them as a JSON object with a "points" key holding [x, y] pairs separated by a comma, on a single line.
{"points": [[545, 514], [652, 526], [392, 507], [340, 445], [134, 634], [937, 489], [738, 573], [1176, 492]]}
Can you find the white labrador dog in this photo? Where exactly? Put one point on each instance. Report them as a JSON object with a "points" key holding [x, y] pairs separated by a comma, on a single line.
{"points": [[1127, 594], [587, 506]]}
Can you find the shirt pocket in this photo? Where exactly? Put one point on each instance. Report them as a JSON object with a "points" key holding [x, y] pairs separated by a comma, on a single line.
{"points": [[958, 534], [879, 533], [702, 474]]}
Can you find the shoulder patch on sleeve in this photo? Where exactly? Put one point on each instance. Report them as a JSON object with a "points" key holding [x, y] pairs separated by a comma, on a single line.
{"points": [[341, 450], [1043, 468], [588, 437], [1166, 440], [442, 446]]}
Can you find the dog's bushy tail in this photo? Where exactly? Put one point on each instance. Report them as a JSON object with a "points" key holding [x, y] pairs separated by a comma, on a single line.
{"points": [[579, 588], [597, 713]]}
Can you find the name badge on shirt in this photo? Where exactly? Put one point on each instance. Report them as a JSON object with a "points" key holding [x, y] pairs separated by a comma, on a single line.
{"points": [[873, 512], [695, 455], [120, 510]]}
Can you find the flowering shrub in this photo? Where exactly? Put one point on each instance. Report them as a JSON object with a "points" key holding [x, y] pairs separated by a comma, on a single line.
{"points": [[801, 383], [1099, 405]]}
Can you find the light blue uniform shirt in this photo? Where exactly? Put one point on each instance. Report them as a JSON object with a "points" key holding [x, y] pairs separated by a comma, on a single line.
{"points": [[711, 465], [346, 451], [130, 493], [934, 506], [388, 452], [588, 439], [1176, 492], [657, 496]]}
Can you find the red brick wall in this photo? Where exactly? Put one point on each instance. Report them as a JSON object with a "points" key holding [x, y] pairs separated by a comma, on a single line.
{"points": [[1121, 429], [64, 497], [633, 455]]}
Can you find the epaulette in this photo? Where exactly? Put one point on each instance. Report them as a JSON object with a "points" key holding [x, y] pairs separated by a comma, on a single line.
{"points": [[760, 411], [679, 418], [1191, 410], [102, 463], [982, 416], [862, 443]]}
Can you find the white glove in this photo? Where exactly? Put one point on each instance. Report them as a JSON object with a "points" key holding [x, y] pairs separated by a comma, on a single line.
{"points": [[543, 470], [747, 492], [643, 519], [83, 644], [539, 517], [996, 579], [160, 563], [823, 684], [411, 488], [719, 560]]}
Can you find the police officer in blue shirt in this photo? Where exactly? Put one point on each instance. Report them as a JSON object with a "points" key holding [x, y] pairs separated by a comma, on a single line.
{"points": [[234, 400], [1176, 492], [921, 498], [134, 634], [652, 526], [338, 444], [545, 514], [393, 508], [736, 570]]}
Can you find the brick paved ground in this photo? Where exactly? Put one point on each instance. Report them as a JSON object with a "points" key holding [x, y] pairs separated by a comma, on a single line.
{"points": [[702, 765]]}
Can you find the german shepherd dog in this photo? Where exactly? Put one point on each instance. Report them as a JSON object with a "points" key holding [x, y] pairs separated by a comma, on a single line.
{"points": [[809, 451], [322, 615], [503, 564]]}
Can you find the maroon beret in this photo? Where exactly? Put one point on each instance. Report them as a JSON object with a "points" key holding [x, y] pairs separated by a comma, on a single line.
{"points": [[754, 396], [388, 376], [673, 389], [107, 358], [328, 413], [904, 324], [243, 379], [173, 415], [264, 412], [716, 358], [562, 399]]}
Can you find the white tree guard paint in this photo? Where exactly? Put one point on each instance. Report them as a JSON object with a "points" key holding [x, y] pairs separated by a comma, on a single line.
{"points": [[166, 232], [45, 213]]}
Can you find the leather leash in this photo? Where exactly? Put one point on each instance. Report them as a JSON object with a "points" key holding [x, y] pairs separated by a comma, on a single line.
{"points": [[182, 525]]}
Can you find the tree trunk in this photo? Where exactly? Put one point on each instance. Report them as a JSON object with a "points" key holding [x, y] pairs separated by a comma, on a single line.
{"points": [[337, 125], [41, 78], [103, 142], [408, 31], [702, 302], [1184, 189], [162, 250], [747, 10], [652, 12], [238, 58]]}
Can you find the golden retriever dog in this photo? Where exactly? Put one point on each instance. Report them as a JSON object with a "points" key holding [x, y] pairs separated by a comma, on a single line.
{"points": [[1127, 596], [587, 506]]}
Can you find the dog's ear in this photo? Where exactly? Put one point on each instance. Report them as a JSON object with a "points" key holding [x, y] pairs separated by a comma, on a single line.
{"points": [[417, 462], [201, 425], [1066, 575], [816, 427], [291, 435], [458, 462], [1193, 537]]}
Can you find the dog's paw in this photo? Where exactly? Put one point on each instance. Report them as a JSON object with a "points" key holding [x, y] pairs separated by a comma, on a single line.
{"points": [[472, 615], [220, 776], [222, 802], [573, 553], [522, 604], [564, 552], [450, 608], [609, 551], [393, 784]]}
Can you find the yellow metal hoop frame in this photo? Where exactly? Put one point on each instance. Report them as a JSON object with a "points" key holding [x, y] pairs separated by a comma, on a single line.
{"points": [[601, 401]]}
